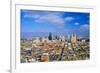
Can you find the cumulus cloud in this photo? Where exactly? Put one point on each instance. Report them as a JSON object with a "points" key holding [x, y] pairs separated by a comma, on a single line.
{"points": [[76, 23], [42, 17], [51, 19], [69, 18]]}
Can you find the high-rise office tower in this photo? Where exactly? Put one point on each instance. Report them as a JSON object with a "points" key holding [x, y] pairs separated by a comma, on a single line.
{"points": [[73, 38], [50, 36]]}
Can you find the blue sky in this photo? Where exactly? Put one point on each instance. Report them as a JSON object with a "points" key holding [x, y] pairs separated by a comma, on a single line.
{"points": [[63, 23]]}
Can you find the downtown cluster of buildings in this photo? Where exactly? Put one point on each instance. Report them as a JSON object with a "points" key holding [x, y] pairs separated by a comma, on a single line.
{"points": [[54, 48]]}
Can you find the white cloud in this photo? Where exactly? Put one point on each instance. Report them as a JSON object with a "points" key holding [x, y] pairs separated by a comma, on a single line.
{"points": [[76, 23], [69, 18], [46, 17], [35, 16], [51, 18]]}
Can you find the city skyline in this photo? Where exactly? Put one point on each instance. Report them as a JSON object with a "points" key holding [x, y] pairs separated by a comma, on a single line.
{"points": [[60, 23], [48, 36]]}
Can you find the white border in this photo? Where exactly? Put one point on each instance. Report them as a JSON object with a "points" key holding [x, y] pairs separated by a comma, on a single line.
{"points": [[17, 67]]}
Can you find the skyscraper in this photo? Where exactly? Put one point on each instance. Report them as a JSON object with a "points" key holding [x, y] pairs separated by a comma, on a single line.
{"points": [[50, 36], [73, 38]]}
